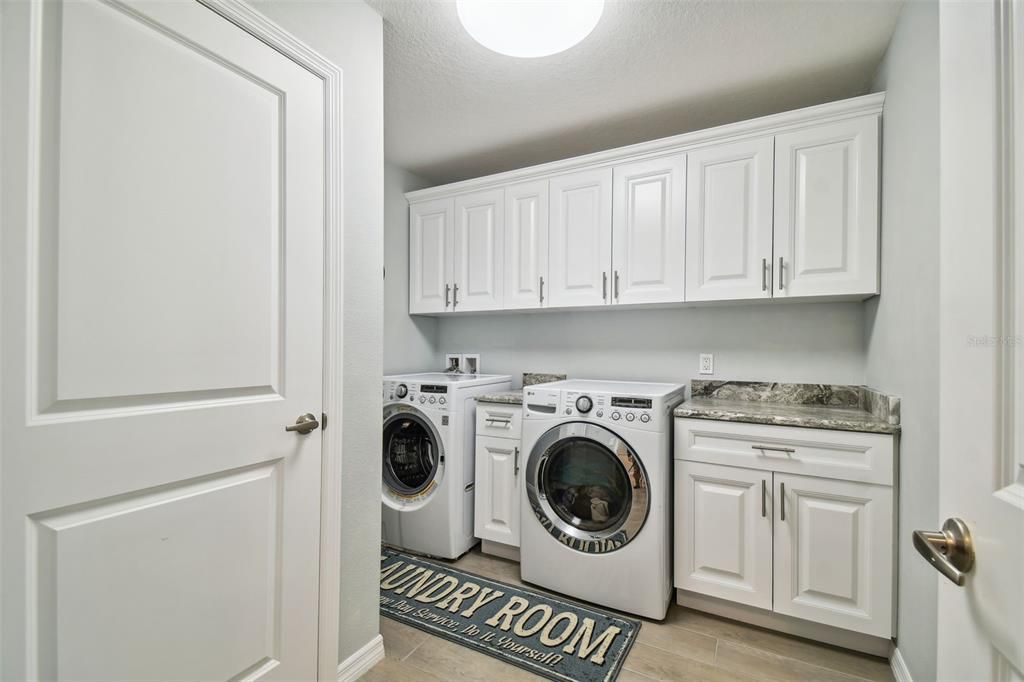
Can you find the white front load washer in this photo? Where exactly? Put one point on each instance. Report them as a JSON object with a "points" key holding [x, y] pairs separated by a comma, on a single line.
{"points": [[596, 514], [428, 460]]}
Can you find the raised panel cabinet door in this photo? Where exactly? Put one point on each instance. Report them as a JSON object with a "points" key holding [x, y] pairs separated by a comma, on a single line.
{"points": [[163, 267], [580, 238], [833, 553], [826, 210], [430, 256], [478, 249], [649, 231], [496, 512], [526, 245], [723, 532], [729, 221]]}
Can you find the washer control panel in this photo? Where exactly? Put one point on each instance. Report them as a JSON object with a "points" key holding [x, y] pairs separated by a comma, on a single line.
{"points": [[424, 395], [633, 411]]}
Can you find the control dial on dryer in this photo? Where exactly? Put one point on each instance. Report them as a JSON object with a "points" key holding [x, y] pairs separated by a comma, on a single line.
{"points": [[584, 404], [401, 391]]}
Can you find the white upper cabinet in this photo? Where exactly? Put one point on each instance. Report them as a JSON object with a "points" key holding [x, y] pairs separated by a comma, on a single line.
{"points": [[833, 553], [430, 265], [580, 243], [648, 231], [826, 209], [478, 251], [526, 245], [729, 221]]}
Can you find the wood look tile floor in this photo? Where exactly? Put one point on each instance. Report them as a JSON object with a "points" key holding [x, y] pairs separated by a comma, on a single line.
{"points": [[687, 645]]}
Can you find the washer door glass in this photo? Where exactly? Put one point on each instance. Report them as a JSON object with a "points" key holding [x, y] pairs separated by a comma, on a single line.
{"points": [[411, 454], [586, 485]]}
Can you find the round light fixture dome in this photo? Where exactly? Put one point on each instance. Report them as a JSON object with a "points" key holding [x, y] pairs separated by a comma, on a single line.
{"points": [[529, 28]]}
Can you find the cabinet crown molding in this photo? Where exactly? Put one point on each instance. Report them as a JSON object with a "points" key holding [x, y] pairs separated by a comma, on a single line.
{"points": [[765, 125]]}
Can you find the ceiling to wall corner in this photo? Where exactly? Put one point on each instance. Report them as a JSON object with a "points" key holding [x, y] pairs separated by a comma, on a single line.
{"points": [[651, 68]]}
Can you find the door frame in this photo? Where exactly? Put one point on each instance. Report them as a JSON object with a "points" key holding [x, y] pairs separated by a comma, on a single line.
{"points": [[248, 19]]}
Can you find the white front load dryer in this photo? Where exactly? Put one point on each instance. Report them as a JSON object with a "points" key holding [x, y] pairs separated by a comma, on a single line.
{"points": [[428, 460], [597, 505]]}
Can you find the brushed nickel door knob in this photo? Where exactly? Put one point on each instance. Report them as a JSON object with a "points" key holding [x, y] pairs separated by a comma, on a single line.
{"points": [[304, 424]]}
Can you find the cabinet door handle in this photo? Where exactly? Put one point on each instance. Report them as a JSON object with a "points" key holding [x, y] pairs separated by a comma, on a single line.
{"points": [[780, 273], [516, 462], [764, 503], [541, 289], [455, 295], [447, 293], [764, 274], [616, 285], [505, 423], [604, 286], [782, 501], [788, 451]]}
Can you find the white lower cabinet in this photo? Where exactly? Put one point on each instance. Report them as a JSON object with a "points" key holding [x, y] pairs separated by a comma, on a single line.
{"points": [[811, 545], [498, 475]]}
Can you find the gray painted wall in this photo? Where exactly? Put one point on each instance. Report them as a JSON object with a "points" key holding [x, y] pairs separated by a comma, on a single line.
{"points": [[902, 325], [410, 343], [819, 342], [350, 34]]}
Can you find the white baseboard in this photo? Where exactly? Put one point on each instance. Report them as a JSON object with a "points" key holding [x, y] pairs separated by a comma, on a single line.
{"points": [[899, 667], [369, 655]]}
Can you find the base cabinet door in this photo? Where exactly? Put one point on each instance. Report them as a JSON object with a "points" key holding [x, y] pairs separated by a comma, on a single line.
{"points": [[826, 210], [580, 238], [648, 231], [496, 509], [833, 553], [723, 532], [478, 249]]}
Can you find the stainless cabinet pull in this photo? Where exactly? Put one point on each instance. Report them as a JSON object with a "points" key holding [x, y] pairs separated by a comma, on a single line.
{"points": [[541, 289], [517, 462], [616, 285], [504, 422], [447, 292], [764, 504], [788, 451], [780, 273], [604, 286], [455, 295], [764, 274], [782, 501]]}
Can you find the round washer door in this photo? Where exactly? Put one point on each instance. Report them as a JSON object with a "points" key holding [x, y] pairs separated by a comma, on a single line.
{"points": [[587, 487], [412, 453]]}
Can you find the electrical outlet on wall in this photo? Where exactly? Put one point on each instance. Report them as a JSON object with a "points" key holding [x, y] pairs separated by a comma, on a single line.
{"points": [[707, 363]]}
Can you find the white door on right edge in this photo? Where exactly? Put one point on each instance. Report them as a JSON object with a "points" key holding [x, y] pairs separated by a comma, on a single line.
{"points": [[826, 210], [729, 221]]}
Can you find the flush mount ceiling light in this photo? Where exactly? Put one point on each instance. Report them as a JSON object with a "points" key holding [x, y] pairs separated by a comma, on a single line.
{"points": [[529, 28]]}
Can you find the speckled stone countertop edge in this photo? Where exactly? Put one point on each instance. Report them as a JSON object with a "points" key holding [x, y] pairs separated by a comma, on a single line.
{"points": [[502, 398], [865, 424]]}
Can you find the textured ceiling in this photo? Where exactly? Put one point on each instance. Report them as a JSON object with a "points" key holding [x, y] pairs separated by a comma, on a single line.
{"points": [[651, 68]]}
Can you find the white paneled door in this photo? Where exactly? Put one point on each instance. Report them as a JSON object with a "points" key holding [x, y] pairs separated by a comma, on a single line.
{"points": [[833, 557], [478, 250], [826, 210], [729, 221], [648, 231], [580, 244], [723, 519], [162, 281], [430, 256], [526, 245]]}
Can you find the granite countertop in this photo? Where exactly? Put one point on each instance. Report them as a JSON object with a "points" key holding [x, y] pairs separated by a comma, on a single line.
{"points": [[814, 406], [516, 397]]}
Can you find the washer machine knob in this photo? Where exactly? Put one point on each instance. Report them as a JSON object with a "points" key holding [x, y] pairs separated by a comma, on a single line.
{"points": [[600, 413], [423, 399], [584, 404], [645, 417], [442, 400], [630, 416], [616, 416], [433, 400], [402, 390]]}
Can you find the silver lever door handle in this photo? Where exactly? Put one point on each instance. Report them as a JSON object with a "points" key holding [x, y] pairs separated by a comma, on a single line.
{"points": [[304, 424], [950, 551]]}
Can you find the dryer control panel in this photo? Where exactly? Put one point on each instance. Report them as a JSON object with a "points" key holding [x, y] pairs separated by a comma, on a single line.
{"points": [[424, 395], [641, 412]]}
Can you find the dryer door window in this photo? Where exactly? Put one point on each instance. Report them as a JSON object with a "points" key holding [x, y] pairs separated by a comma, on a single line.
{"points": [[587, 487], [411, 453]]}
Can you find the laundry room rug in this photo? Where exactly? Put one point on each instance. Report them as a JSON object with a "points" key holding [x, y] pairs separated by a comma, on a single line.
{"points": [[549, 636]]}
